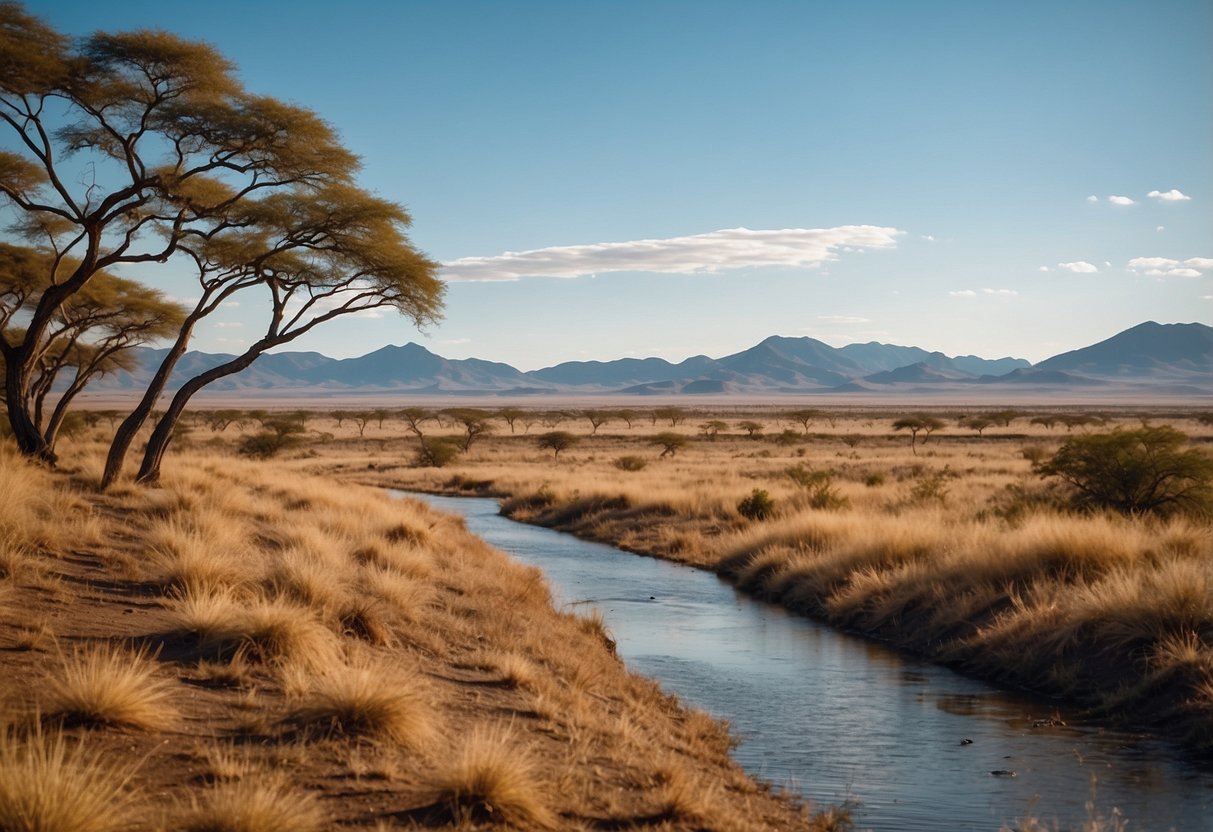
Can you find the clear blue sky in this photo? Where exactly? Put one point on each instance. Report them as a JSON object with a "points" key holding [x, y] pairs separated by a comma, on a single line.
{"points": [[927, 161]]}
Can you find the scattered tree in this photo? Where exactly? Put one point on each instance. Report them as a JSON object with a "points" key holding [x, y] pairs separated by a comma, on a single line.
{"points": [[976, 423], [752, 429], [711, 429], [670, 442], [436, 453], [916, 424], [597, 418], [510, 415], [1147, 469], [676, 415], [557, 441], [475, 423], [803, 417]]}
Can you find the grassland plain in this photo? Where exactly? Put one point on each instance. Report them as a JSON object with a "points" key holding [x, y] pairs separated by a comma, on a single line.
{"points": [[250, 647], [952, 547]]}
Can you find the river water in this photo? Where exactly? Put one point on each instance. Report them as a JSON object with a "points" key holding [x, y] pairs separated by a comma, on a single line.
{"points": [[913, 746]]}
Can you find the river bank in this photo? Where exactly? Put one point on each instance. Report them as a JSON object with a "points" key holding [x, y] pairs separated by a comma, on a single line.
{"points": [[247, 647], [956, 553]]}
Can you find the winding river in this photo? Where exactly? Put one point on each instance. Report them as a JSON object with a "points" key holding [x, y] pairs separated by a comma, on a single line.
{"points": [[913, 746]]}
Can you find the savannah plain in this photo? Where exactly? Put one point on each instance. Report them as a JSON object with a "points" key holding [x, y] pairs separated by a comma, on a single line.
{"points": [[172, 652]]}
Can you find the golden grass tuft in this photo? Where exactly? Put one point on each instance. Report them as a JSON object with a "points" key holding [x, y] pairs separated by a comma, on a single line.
{"points": [[253, 804], [106, 684], [262, 629], [47, 785], [365, 701], [490, 779]]}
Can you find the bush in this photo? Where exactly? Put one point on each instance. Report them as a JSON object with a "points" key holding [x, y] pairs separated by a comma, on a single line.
{"points": [[757, 506], [436, 453], [1145, 470], [266, 444], [631, 463]]}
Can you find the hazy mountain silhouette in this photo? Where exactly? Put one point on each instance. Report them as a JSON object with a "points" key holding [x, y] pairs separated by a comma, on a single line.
{"points": [[1163, 357]]}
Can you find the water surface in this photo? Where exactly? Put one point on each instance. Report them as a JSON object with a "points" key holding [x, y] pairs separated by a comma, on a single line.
{"points": [[838, 718]]}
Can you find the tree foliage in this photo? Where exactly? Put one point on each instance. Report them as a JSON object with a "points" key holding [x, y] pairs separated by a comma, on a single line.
{"points": [[143, 147], [1144, 470], [557, 441]]}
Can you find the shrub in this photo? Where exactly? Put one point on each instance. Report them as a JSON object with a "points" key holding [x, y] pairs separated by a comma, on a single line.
{"points": [[557, 441], [1145, 470], [757, 506], [436, 453], [631, 463]]}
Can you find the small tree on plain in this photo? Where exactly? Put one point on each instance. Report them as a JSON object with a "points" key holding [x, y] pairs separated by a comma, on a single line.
{"points": [[670, 442], [557, 441]]}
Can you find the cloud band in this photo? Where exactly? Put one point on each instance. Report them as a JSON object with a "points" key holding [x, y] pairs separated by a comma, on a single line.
{"points": [[715, 251]]}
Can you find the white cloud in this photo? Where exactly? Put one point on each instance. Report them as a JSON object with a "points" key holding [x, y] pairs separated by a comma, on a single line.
{"points": [[229, 325], [1169, 267], [1206, 297], [930, 238], [1079, 267], [1172, 195], [843, 319], [1005, 293], [1043, 269], [1161, 228], [963, 293], [1121, 200], [715, 251], [1092, 198]]}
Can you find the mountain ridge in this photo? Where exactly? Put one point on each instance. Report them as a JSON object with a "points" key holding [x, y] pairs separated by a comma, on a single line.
{"points": [[1149, 355]]}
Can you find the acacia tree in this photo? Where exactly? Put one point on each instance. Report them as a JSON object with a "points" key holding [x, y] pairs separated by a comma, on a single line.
{"points": [[916, 424], [557, 441], [90, 334], [313, 256], [122, 146], [1134, 471]]}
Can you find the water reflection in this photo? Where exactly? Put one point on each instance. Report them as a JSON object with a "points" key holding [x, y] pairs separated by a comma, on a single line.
{"points": [[839, 718]]}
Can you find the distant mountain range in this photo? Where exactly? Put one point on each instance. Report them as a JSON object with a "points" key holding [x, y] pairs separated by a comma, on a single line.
{"points": [[1170, 359]]}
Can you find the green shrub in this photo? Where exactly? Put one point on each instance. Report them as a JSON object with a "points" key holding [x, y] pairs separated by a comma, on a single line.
{"points": [[1145, 470], [436, 453], [757, 506]]}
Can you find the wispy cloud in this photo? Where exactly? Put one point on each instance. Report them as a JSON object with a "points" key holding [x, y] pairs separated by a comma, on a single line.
{"points": [[1173, 195], [1079, 267], [843, 319], [963, 293], [1168, 267], [716, 251], [1092, 198], [1121, 200], [1002, 293]]}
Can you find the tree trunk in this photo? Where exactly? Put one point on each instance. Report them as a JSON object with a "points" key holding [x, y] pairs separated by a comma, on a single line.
{"points": [[131, 425], [162, 435], [16, 395]]}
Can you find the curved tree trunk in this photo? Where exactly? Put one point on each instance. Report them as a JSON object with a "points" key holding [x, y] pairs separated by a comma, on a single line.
{"points": [[162, 435], [16, 395], [124, 436]]}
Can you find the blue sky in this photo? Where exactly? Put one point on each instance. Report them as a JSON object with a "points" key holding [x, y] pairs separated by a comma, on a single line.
{"points": [[930, 164]]}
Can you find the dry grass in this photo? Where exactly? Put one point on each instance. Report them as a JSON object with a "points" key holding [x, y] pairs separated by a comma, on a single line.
{"points": [[254, 803], [358, 642], [491, 779], [366, 702], [49, 784], [108, 685]]}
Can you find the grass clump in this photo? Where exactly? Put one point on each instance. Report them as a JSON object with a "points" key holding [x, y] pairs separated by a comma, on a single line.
{"points": [[104, 684], [252, 804], [48, 786], [491, 780], [365, 702]]}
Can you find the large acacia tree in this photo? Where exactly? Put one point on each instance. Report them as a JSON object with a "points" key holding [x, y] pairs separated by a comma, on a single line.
{"points": [[141, 147], [120, 148], [312, 256]]}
